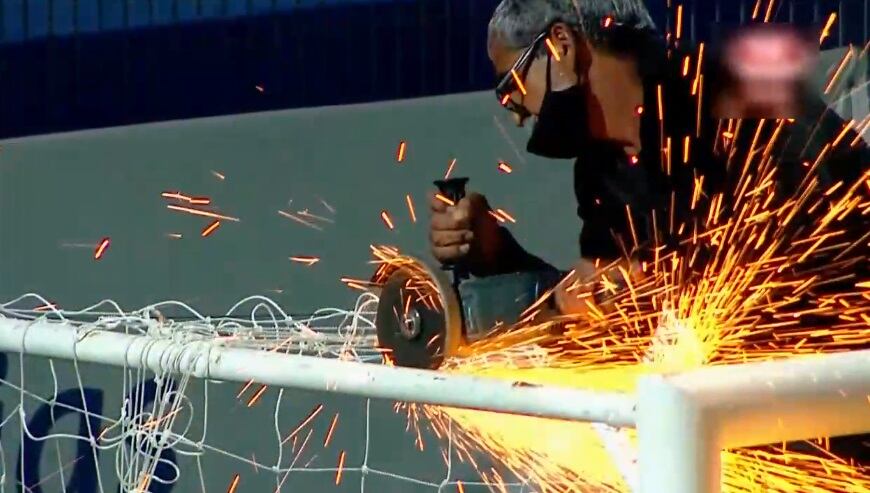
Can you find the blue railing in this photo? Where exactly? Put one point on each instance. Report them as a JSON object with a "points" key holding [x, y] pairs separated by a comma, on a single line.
{"points": [[71, 64]]}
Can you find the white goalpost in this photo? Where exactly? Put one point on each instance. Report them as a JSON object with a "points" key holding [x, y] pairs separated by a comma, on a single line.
{"points": [[683, 420]]}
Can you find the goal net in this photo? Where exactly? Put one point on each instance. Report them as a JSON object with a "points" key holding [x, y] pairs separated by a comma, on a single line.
{"points": [[166, 399]]}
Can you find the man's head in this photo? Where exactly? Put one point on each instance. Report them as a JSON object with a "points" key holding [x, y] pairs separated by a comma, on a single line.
{"points": [[560, 34]]}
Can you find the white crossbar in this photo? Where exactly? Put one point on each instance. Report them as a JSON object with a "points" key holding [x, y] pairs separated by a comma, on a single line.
{"points": [[207, 359]]}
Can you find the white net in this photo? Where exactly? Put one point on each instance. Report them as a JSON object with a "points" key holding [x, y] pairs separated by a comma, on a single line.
{"points": [[135, 430]]}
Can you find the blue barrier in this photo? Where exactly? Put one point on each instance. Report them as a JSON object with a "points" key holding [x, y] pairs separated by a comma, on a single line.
{"points": [[73, 64], [86, 404]]}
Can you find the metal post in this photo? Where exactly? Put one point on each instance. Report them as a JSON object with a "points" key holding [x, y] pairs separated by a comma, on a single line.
{"points": [[685, 420], [678, 452]]}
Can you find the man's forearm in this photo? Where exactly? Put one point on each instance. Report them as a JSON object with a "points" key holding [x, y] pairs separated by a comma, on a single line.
{"points": [[513, 257]]}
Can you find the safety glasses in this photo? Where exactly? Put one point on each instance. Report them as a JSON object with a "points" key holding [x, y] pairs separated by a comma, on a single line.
{"points": [[514, 80]]}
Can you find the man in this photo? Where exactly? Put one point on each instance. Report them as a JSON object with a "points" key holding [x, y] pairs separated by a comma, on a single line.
{"points": [[591, 73], [588, 73]]}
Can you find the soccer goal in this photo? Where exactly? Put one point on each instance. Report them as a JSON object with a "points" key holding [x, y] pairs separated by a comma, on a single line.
{"points": [[683, 421]]}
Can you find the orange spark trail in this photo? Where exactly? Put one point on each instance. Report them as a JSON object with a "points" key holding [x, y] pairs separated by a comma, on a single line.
{"points": [[331, 430], [519, 82], [679, 21], [553, 50], [769, 14], [400, 153], [211, 228], [445, 199], [313, 414], [234, 484], [199, 212], [503, 213], [256, 397], [411, 208], [836, 75], [305, 260], [300, 220], [827, 29], [101, 248], [340, 468], [505, 167], [453, 161], [386, 218]]}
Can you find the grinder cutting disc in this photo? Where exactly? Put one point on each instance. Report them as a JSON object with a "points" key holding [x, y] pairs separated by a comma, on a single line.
{"points": [[418, 324]]}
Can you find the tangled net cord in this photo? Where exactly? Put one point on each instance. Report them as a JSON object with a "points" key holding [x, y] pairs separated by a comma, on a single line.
{"points": [[140, 436]]}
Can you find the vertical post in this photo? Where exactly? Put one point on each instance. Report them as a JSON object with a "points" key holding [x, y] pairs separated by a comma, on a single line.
{"points": [[678, 449]]}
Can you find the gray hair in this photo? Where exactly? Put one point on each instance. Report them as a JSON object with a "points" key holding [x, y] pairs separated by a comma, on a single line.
{"points": [[516, 23]]}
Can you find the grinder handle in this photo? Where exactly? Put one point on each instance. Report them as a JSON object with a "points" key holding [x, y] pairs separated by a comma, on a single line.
{"points": [[454, 189]]}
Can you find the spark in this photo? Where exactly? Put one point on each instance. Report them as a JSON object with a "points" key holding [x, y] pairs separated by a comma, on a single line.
{"points": [[259, 88], [836, 75], [234, 484], [331, 431], [411, 208], [553, 50], [507, 217], [607, 22], [453, 163], [826, 31], [340, 468], [49, 306], [386, 218], [174, 236], [444, 199], [679, 21], [305, 260], [256, 397], [686, 143], [505, 167], [519, 82], [219, 176], [326, 204], [756, 10], [186, 198], [459, 487], [746, 303], [300, 220], [843, 133], [101, 248], [686, 62], [313, 414], [211, 228], [305, 213], [400, 154], [497, 216], [769, 14], [638, 110], [200, 212]]}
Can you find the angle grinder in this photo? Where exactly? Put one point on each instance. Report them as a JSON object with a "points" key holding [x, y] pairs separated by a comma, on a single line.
{"points": [[419, 317], [427, 314]]}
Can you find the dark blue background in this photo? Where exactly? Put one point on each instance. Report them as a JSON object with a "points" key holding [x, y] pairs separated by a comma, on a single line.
{"points": [[71, 64]]}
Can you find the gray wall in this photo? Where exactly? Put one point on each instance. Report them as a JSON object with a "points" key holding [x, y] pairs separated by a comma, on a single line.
{"points": [[77, 188]]}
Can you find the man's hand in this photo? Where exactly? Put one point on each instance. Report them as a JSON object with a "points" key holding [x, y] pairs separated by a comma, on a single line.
{"points": [[465, 232]]}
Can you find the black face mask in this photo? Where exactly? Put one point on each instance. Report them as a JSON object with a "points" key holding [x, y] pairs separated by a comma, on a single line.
{"points": [[562, 127]]}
